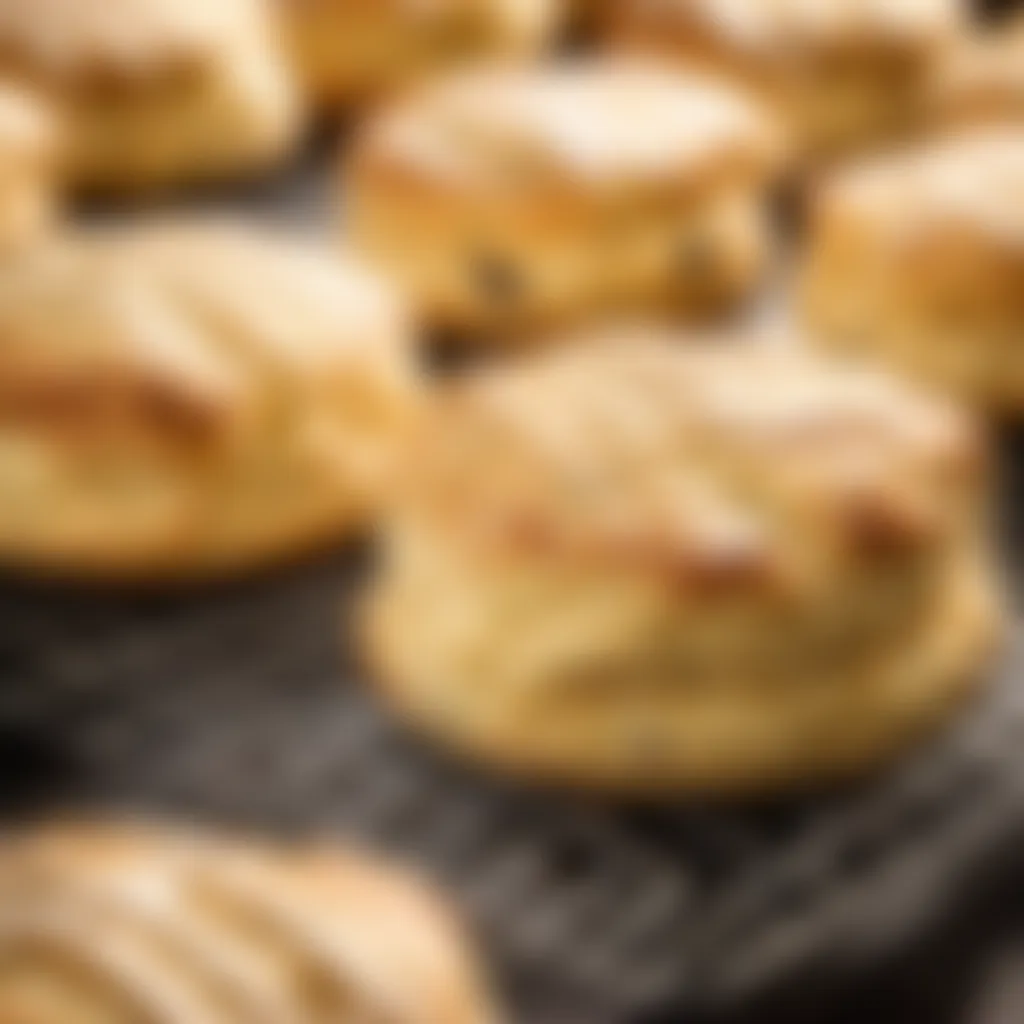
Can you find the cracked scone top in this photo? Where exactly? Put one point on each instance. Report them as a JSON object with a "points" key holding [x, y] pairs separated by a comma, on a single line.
{"points": [[191, 399], [156, 93], [642, 565], [350, 51], [845, 73], [125, 923], [529, 198], [917, 260]]}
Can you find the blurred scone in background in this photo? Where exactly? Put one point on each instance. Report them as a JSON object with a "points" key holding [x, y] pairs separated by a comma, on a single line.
{"points": [[193, 399], [348, 52], [120, 922], [156, 93], [844, 74], [527, 199]]}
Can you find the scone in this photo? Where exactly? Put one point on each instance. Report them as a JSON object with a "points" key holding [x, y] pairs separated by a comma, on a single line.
{"points": [[156, 93], [648, 566], [187, 400], [917, 260], [520, 199], [982, 80], [123, 923], [845, 74], [348, 51], [29, 152]]}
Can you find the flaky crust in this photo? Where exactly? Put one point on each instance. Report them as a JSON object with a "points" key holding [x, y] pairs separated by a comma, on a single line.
{"points": [[351, 51], [688, 569], [180, 400], [506, 199], [156, 93], [124, 923], [917, 260], [846, 74], [982, 80]]}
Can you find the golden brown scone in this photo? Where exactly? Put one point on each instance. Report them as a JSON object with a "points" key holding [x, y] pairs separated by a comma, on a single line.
{"points": [[917, 260], [122, 923], [349, 51], [190, 400], [156, 93], [29, 153], [649, 566], [846, 74], [982, 80], [525, 199]]}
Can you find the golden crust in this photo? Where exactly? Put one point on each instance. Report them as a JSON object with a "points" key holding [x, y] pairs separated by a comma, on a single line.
{"points": [[29, 151], [689, 568], [156, 93], [982, 80], [191, 400], [918, 260], [350, 51], [119, 922], [630, 451], [507, 199], [844, 73]]}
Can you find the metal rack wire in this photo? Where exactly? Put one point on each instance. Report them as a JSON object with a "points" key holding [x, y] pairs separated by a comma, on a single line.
{"points": [[238, 706]]}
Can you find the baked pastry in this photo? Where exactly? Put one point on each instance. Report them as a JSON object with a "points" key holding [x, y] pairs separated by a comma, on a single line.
{"points": [[518, 199], [119, 923], [646, 566], [29, 155], [982, 80], [181, 400], [846, 74], [349, 51], [156, 92], [917, 260]]}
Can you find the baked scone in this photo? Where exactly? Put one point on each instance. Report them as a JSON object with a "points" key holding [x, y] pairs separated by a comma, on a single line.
{"points": [[187, 399], [29, 156], [517, 199], [348, 51], [845, 74], [124, 923], [918, 260], [156, 93], [982, 80], [647, 565]]}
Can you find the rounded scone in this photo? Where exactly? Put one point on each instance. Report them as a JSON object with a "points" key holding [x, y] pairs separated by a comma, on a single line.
{"points": [[845, 74], [349, 51], [190, 400], [29, 155], [156, 93], [917, 260], [646, 566], [125, 923], [982, 80], [520, 199]]}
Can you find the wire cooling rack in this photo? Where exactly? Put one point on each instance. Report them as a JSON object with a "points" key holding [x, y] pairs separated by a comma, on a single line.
{"points": [[239, 707]]}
